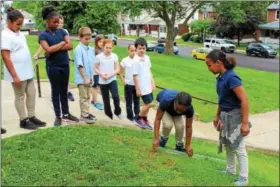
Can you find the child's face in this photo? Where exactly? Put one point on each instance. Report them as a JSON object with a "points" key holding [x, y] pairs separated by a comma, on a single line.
{"points": [[61, 23], [180, 109], [85, 40], [107, 49], [100, 43], [141, 50], [16, 25], [131, 51], [53, 23], [213, 67]]}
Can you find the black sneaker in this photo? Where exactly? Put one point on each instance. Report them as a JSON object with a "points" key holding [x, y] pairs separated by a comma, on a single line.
{"points": [[163, 141], [70, 118], [3, 131], [27, 124], [180, 147], [57, 121], [37, 122], [92, 116]]}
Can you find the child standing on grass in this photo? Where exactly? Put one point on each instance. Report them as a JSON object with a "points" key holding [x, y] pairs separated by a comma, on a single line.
{"points": [[18, 70], [84, 65], [232, 114], [107, 66], [98, 49], [56, 44], [129, 87], [40, 50], [144, 82]]}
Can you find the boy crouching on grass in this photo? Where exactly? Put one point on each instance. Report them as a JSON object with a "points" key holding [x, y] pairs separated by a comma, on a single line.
{"points": [[84, 58]]}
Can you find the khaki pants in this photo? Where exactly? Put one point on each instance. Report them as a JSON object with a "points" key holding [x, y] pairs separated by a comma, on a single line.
{"points": [[168, 123], [27, 88], [84, 94]]}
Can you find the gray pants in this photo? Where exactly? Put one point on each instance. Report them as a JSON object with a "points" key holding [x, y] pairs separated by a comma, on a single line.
{"points": [[26, 89], [242, 158]]}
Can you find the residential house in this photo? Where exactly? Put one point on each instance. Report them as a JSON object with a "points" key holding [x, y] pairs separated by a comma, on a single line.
{"points": [[148, 25], [271, 29], [28, 22]]}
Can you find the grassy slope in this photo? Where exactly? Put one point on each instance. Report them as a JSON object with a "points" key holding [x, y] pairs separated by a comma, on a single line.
{"points": [[192, 76], [89, 156]]}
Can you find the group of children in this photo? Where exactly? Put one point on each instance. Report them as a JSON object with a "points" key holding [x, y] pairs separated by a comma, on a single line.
{"points": [[99, 66]]}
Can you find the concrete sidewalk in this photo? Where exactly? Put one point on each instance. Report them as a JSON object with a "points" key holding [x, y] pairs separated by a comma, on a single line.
{"points": [[264, 134]]}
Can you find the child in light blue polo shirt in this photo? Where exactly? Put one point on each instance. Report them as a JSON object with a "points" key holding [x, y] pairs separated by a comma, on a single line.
{"points": [[84, 58]]}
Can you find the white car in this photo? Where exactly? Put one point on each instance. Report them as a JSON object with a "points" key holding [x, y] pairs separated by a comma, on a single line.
{"points": [[222, 44]]}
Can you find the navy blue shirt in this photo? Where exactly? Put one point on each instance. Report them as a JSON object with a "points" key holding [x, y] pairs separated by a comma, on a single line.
{"points": [[225, 84], [166, 103], [53, 38]]}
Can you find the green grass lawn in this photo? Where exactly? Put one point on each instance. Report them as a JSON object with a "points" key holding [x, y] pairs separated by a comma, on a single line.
{"points": [[193, 76], [96, 155]]}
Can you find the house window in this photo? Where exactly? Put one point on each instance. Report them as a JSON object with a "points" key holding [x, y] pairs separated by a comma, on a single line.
{"points": [[277, 14], [162, 29]]}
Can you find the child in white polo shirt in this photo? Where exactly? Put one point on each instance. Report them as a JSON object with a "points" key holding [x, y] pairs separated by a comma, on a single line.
{"points": [[19, 70], [129, 87], [144, 82]]}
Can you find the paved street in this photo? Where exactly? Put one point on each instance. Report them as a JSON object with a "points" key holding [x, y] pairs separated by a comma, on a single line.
{"points": [[271, 65], [259, 63]]}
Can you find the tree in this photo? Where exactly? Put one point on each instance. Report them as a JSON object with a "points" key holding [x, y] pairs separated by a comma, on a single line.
{"points": [[238, 18], [169, 12], [201, 26]]}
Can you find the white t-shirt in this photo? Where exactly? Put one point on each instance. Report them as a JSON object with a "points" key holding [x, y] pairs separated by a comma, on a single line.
{"points": [[142, 68], [107, 65], [19, 53], [127, 63]]}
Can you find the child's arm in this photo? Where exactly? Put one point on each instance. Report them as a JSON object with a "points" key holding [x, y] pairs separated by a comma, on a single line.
{"points": [[189, 122], [9, 64], [121, 74], [96, 69], [79, 62], [241, 94], [38, 53], [153, 82], [83, 74], [68, 42], [52, 49], [158, 119], [136, 82], [217, 117]]}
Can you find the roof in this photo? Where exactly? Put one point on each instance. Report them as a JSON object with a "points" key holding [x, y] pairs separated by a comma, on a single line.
{"points": [[274, 6], [26, 14], [275, 25]]}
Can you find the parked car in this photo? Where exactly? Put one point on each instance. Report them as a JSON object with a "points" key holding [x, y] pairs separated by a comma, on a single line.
{"points": [[200, 53], [222, 44], [95, 32], [260, 49], [161, 46], [161, 40], [150, 46]]}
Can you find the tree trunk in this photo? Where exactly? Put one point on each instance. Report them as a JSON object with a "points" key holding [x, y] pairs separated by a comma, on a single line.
{"points": [[171, 34], [238, 37], [137, 30]]}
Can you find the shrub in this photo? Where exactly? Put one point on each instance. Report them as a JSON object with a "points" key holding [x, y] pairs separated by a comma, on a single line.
{"points": [[186, 37]]}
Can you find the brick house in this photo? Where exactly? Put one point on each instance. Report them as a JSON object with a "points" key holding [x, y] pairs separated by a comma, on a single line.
{"points": [[271, 28]]}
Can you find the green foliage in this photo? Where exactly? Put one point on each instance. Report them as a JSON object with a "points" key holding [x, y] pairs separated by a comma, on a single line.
{"points": [[199, 26], [186, 36]]}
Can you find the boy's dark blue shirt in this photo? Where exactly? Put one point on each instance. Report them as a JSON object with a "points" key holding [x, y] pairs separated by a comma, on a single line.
{"points": [[166, 103]]}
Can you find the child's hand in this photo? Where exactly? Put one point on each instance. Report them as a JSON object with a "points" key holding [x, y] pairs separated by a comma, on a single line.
{"points": [[16, 81], [104, 76], [189, 151], [35, 57], [153, 87], [216, 121], [87, 82], [155, 145], [245, 130]]}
